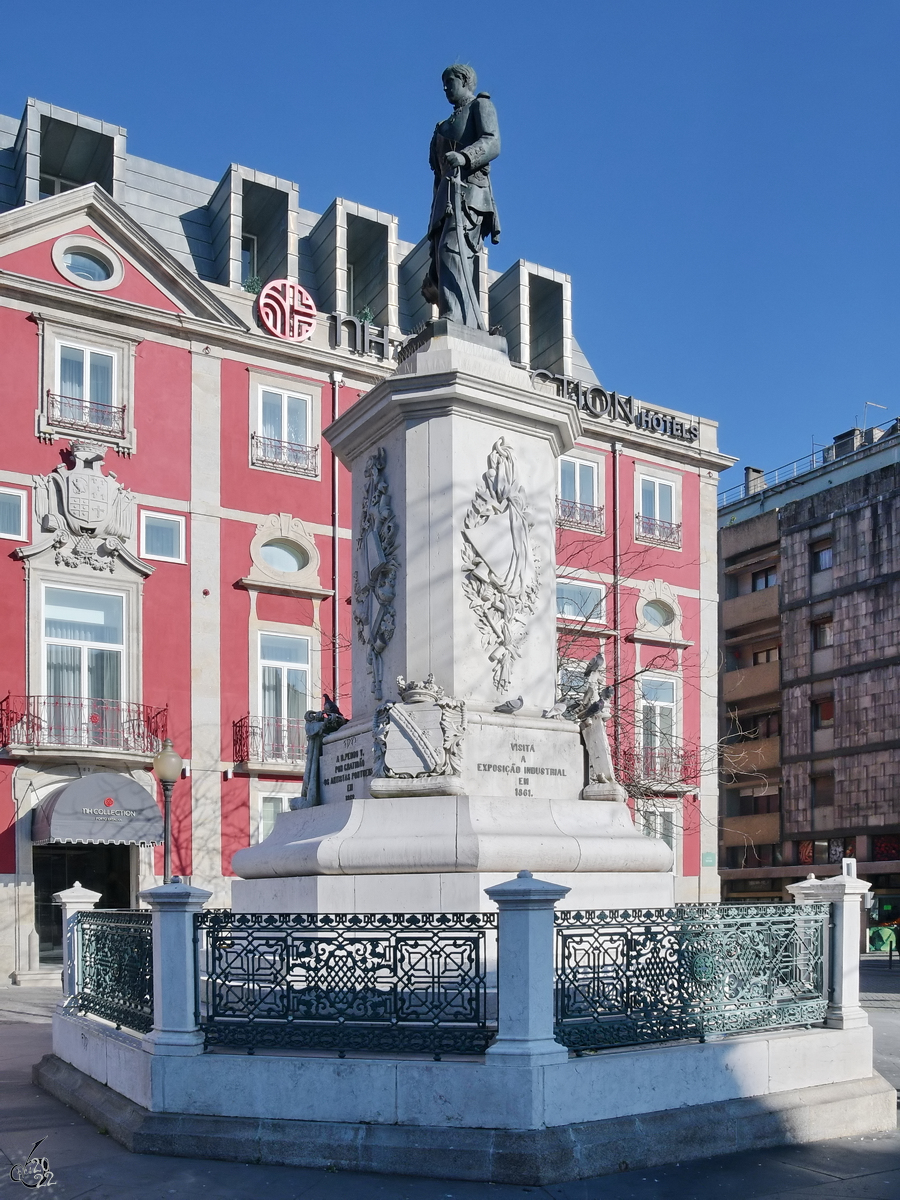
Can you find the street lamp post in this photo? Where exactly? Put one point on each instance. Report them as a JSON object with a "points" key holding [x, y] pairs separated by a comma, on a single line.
{"points": [[167, 766]]}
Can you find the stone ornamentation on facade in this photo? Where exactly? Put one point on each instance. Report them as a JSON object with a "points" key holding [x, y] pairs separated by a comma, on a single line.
{"points": [[502, 569], [595, 710], [286, 310], [375, 579], [319, 723], [88, 516], [420, 737]]}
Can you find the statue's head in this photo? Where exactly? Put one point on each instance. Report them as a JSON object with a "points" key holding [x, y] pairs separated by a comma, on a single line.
{"points": [[459, 82]]}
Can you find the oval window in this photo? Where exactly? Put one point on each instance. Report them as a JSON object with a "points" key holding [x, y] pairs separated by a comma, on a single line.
{"points": [[88, 266], [657, 615], [284, 556]]}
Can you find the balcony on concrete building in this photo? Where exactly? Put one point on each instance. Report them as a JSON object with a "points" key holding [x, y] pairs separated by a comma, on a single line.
{"points": [[746, 683], [570, 515], [85, 416], [658, 770], [761, 829], [753, 756], [42, 726], [271, 741], [660, 533], [750, 608], [283, 456]]}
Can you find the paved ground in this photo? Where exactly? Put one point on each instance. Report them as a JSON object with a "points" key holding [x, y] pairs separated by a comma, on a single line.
{"points": [[90, 1166]]}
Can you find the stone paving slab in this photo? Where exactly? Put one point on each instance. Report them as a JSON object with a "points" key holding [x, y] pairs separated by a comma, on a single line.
{"points": [[91, 1166]]}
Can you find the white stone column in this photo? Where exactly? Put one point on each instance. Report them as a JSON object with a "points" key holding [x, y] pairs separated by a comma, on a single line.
{"points": [[73, 900], [175, 1029], [844, 893], [525, 972]]}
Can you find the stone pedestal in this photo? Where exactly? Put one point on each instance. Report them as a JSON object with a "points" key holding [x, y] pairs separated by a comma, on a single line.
{"points": [[449, 765]]}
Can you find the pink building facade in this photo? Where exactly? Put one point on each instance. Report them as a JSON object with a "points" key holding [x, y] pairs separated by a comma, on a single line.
{"points": [[176, 532]]}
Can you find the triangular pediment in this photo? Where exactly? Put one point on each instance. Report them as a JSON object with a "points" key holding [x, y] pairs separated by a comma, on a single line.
{"points": [[153, 277]]}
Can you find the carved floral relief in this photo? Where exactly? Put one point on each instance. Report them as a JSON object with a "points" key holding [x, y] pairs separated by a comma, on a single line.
{"points": [[501, 566], [375, 579]]}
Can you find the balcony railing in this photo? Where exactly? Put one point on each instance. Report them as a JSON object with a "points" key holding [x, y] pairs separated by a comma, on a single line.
{"points": [[74, 723], [661, 533], [284, 456], [270, 739], [73, 412], [657, 768], [579, 516]]}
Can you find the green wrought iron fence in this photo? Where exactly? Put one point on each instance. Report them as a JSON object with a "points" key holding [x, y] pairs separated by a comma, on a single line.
{"points": [[393, 983], [114, 976], [657, 975]]}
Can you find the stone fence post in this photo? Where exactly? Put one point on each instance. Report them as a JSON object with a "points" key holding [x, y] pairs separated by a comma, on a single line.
{"points": [[73, 900], [843, 893], [525, 972], [175, 1029]]}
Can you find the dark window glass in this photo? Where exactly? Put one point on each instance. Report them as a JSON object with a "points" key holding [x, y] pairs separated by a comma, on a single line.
{"points": [[767, 655], [765, 579], [820, 852], [822, 792], [823, 634], [886, 848], [821, 556]]}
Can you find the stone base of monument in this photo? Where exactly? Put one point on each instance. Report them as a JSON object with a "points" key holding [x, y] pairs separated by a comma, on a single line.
{"points": [[437, 853], [452, 891], [529, 1125]]}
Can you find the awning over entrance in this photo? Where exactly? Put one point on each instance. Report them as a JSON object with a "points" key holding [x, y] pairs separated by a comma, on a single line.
{"points": [[106, 807]]}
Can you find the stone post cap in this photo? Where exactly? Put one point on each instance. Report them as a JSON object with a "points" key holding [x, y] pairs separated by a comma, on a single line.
{"points": [[176, 896], [77, 895], [831, 887], [526, 892]]}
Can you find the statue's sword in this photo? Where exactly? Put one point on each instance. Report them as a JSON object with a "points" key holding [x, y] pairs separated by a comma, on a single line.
{"points": [[456, 192]]}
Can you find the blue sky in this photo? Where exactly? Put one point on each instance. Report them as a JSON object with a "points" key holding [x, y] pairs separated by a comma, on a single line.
{"points": [[719, 177]]}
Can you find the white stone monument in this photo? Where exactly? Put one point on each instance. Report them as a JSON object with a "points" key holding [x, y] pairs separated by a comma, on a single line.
{"points": [[448, 777]]}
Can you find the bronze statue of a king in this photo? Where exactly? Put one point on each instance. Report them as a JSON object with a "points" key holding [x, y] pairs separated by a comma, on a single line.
{"points": [[463, 212]]}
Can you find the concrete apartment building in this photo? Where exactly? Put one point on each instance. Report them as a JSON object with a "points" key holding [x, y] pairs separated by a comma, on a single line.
{"points": [[810, 623], [177, 532]]}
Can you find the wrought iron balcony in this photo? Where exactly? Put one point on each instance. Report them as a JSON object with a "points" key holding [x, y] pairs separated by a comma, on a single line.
{"points": [[84, 416], [579, 516], [661, 533], [270, 740], [283, 456], [74, 723], [655, 769]]}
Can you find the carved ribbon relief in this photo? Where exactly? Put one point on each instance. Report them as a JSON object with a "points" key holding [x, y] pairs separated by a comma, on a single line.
{"points": [[375, 579], [502, 569]]}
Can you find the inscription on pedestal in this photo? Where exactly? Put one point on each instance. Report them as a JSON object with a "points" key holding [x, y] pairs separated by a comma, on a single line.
{"points": [[523, 773], [346, 767]]}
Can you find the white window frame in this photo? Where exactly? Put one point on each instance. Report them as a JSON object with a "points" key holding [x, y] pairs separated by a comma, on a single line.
{"points": [[285, 799], [175, 517], [22, 536], [661, 677], [56, 332], [285, 393], [86, 645], [254, 261], [260, 382], [595, 473], [656, 476], [595, 585], [87, 349], [261, 662], [651, 815]]}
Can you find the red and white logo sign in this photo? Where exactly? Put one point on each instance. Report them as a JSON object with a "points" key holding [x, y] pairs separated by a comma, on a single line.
{"points": [[286, 310], [109, 802]]}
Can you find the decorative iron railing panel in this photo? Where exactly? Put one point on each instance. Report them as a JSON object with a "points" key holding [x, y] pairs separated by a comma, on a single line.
{"points": [[656, 975], [662, 533], [284, 456], [114, 954], [86, 416], [406, 983], [80, 723], [269, 739], [579, 516]]}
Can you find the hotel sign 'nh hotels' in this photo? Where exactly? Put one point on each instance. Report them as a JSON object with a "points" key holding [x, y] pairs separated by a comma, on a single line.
{"points": [[288, 312]]}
